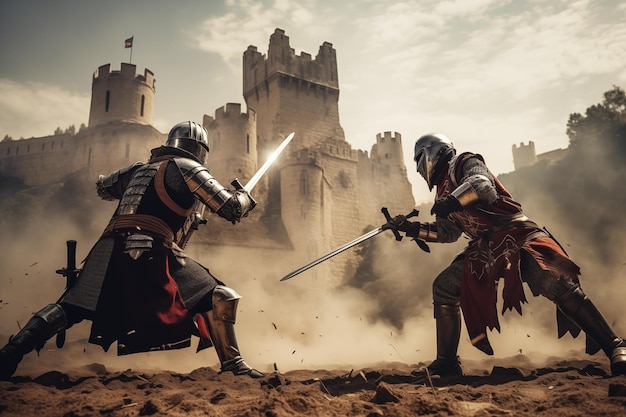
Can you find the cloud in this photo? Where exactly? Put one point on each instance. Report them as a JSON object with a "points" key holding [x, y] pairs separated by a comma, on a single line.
{"points": [[249, 22], [42, 105], [481, 48]]}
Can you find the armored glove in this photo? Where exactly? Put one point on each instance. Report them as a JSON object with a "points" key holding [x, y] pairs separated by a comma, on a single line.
{"points": [[238, 206], [445, 206], [399, 223]]}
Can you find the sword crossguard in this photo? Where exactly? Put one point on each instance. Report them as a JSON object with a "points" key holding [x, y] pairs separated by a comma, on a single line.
{"points": [[420, 242], [385, 211]]}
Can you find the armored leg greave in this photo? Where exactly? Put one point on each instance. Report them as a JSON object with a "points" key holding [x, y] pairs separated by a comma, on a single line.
{"points": [[579, 308], [42, 326], [448, 323], [221, 327]]}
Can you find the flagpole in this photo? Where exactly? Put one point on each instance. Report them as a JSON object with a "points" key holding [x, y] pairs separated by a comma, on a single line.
{"points": [[128, 43]]}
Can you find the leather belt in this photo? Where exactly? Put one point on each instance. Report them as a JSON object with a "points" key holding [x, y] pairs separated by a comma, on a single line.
{"points": [[143, 222]]}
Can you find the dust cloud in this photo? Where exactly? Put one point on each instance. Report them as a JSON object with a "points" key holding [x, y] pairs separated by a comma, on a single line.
{"points": [[383, 316]]}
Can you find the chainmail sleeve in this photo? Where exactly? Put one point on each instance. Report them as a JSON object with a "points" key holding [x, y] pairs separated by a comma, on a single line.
{"points": [[476, 173], [447, 230]]}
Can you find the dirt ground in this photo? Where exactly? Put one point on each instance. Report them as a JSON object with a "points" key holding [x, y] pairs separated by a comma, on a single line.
{"points": [[515, 387]]}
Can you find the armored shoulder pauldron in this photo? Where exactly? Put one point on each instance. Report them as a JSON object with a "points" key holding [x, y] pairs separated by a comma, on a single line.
{"points": [[137, 188]]}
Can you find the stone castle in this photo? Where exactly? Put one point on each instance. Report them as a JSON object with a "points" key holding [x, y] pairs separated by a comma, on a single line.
{"points": [[320, 194], [526, 155]]}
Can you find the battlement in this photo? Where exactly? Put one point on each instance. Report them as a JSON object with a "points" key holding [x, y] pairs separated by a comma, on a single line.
{"points": [[230, 110], [337, 149], [522, 146], [388, 148], [524, 155], [387, 137], [282, 59], [126, 72]]}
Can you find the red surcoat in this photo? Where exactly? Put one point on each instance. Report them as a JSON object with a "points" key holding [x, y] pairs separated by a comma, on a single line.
{"points": [[499, 232]]}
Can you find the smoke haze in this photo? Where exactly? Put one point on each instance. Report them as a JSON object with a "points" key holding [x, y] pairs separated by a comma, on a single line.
{"points": [[383, 315]]}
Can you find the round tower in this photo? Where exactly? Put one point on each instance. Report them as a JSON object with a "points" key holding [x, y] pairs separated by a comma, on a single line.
{"points": [[232, 143], [121, 96], [304, 209]]}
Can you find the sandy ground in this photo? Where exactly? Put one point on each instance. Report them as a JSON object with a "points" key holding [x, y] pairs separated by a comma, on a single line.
{"points": [[513, 387]]}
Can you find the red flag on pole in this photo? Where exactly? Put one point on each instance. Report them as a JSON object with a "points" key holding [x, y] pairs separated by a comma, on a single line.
{"points": [[128, 43]]}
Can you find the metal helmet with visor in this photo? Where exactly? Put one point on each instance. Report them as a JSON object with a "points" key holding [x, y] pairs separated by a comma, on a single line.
{"points": [[191, 137], [429, 149]]}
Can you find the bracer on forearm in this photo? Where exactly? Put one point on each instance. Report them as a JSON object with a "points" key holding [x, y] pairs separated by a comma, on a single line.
{"points": [[424, 231]]}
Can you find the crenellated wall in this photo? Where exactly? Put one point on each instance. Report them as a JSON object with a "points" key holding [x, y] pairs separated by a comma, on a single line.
{"points": [[94, 151], [318, 195], [524, 155]]}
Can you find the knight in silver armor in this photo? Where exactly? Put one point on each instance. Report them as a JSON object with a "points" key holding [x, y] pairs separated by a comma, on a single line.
{"points": [[137, 285], [504, 244]]}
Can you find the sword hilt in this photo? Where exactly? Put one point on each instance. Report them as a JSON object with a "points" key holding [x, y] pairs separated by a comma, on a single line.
{"points": [[420, 242], [70, 272], [385, 211], [414, 213]]}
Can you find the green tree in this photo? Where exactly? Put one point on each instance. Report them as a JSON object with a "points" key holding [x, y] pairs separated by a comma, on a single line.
{"points": [[603, 126]]}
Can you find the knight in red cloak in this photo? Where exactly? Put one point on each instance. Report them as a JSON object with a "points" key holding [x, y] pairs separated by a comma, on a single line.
{"points": [[504, 244], [137, 285]]}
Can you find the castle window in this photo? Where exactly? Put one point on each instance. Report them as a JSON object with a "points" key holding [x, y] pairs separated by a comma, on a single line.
{"points": [[248, 144], [304, 182], [17, 150], [107, 101], [127, 150], [52, 146], [8, 151], [43, 146], [27, 148], [143, 103]]}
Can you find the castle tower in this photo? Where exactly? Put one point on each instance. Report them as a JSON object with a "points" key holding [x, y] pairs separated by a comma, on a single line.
{"points": [[292, 93], [232, 143], [524, 155], [388, 149], [121, 96], [386, 173], [305, 209]]}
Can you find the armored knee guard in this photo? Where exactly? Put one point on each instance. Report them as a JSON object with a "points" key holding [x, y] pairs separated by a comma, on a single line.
{"points": [[221, 329], [42, 326]]}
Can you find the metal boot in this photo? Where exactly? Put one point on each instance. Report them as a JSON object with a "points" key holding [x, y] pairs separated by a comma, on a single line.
{"points": [[448, 323], [221, 327], [42, 326], [579, 308]]}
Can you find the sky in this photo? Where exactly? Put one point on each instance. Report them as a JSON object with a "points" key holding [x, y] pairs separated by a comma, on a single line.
{"points": [[487, 73]]}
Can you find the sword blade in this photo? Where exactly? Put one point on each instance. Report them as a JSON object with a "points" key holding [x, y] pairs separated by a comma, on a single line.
{"points": [[257, 176], [337, 251]]}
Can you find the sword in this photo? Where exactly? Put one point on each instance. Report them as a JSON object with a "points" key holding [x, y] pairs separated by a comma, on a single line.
{"points": [[257, 176], [70, 272], [355, 242]]}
